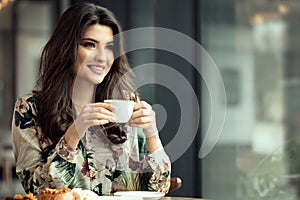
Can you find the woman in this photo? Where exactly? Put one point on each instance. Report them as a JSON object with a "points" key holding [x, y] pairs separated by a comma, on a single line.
{"points": [[64, 135]]}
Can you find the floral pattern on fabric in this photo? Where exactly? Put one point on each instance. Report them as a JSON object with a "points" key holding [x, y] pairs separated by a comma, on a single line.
{"points": [[96, 164]]}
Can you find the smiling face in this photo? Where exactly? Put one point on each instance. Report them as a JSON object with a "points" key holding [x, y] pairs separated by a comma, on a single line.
{"points": [[95, 54]]}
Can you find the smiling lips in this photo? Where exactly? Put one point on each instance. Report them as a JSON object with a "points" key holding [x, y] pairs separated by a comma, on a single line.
{"points": [[97, 69]]}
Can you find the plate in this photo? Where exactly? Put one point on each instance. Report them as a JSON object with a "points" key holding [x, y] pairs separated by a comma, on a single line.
{"points": [[140, 195], [109, 198]]}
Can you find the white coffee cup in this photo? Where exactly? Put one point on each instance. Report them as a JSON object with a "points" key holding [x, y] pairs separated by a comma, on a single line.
{"points": [[122, 109]]}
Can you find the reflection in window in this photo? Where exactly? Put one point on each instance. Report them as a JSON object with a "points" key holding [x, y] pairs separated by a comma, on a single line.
{"points": [[24, 28], [257, 156]]}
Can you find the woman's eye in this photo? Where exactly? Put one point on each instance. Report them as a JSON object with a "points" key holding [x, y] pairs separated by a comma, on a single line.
{"points": [[89, 44], [109, 47]]}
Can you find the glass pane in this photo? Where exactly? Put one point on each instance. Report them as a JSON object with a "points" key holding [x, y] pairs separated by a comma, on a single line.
{"points": [[24, 28], [6, 69], [255, 46]]}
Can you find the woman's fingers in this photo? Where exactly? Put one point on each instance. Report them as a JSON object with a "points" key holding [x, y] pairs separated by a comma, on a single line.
{"points": [[141, 109], [102, 112], [142, 115], [99, 107], [142, 105], [96, 114], [107, 106]]}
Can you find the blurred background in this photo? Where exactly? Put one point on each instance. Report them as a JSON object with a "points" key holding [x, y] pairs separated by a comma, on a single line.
{"points": [[254, 44]]}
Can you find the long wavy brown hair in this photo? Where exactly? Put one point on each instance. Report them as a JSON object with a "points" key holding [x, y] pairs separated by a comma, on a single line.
{"points": [[57, 76]]}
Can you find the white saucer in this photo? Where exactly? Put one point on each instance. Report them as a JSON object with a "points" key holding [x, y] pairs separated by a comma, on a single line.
{"points": [[140, 195]]}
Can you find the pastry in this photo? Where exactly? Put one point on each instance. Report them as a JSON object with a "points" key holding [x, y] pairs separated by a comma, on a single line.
{"points": [[55, 194]]}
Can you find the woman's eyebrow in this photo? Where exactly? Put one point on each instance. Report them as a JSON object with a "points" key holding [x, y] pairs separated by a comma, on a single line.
{"points": [[96, 41], [110, 42], [90, 39]]}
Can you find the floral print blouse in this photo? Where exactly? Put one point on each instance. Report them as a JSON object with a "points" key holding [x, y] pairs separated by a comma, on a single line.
{"points": [[96, 164]]}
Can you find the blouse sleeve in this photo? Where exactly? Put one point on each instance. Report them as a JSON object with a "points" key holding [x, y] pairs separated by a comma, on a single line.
{"points": [[28, 143], [158, 163]]}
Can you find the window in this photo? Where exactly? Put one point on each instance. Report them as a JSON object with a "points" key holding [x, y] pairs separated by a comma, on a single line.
{"points": [[256, 156]]}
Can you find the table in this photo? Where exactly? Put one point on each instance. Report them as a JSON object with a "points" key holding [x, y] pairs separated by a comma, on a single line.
{"points": [[164, 198], [181, 198]]}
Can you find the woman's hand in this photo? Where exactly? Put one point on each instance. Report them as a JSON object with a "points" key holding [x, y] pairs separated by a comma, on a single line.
{"points": [[144, 117], [92, 114]]}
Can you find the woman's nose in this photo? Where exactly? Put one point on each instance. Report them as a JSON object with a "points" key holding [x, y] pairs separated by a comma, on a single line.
{"points": [[100, 54]]}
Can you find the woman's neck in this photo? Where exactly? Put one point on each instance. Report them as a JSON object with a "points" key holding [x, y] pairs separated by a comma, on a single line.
{"points": [[82, 93]]}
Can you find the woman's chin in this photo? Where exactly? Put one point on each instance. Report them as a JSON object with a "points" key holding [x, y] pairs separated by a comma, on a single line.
{"points": [[99, 80]]}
